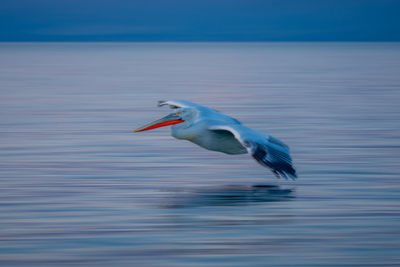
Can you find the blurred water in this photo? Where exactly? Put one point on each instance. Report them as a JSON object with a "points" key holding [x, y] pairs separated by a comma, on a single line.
{"points": [[77, 187]]}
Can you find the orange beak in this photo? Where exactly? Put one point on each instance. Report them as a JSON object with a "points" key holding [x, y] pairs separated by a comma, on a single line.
{"points": [[171, 119]]}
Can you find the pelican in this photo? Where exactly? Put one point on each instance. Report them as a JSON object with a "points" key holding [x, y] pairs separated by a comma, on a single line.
{"points": [[215, 131]]}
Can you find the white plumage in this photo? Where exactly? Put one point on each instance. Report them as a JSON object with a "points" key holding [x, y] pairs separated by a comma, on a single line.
{"points": [[215, 131]]}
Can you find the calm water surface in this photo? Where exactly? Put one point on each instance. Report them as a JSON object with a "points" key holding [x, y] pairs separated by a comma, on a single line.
{"points": [[77, 187]]}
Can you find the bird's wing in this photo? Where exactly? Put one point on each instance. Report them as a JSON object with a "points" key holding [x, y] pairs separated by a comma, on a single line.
{"points": [[203, 111], [178, 104], [266, 150]]}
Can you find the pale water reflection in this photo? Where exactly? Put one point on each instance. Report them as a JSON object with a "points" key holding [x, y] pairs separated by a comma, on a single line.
{"points": [[77, 187]]}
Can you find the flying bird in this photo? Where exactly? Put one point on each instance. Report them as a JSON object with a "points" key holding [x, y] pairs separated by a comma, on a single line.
{"points": [[215, 131]]}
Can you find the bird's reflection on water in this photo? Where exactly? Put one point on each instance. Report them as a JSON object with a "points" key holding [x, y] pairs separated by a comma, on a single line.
{"points": [[228, 195]]}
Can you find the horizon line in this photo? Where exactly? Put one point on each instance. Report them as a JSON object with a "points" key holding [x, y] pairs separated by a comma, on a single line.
{"points": [[196, 41]]}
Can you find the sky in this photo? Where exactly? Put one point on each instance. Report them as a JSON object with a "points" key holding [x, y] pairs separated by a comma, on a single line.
{"points": [[200, 20]]}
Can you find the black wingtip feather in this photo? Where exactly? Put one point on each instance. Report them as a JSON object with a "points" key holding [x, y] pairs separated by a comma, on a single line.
{"points": [[279, 168]]}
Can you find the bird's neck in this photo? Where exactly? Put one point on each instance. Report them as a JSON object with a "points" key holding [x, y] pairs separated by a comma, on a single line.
{"points": [[182, 131]]}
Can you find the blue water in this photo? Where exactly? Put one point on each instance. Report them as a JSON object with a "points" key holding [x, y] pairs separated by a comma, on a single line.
{"points": [[77, 187]]}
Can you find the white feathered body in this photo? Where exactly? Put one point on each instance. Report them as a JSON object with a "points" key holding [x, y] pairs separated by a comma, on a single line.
{"points": [[215, 131]]}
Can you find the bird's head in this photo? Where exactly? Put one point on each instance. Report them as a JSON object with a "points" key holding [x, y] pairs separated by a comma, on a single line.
{"points": [[179, 116]]}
